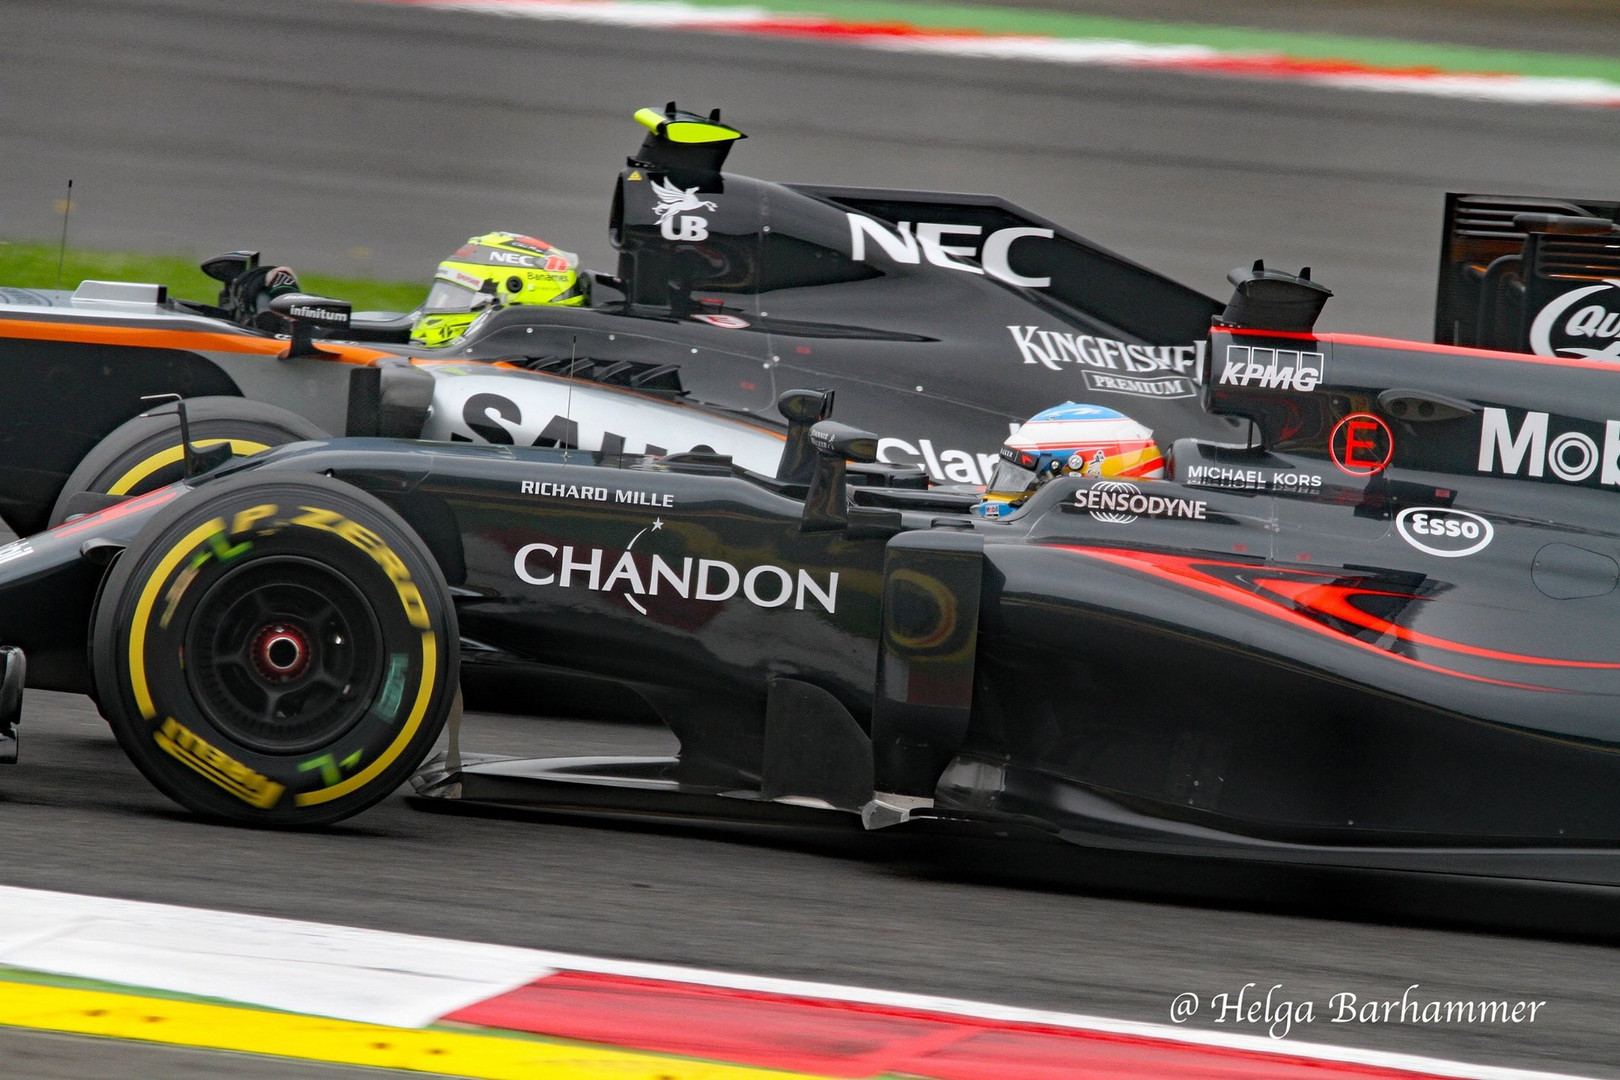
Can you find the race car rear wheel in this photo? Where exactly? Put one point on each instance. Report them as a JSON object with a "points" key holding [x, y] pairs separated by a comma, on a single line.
{"points": [[144, 453], [276, 650]]}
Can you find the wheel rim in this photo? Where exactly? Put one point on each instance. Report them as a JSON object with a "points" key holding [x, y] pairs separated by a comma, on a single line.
{"points": [[283, 655]]}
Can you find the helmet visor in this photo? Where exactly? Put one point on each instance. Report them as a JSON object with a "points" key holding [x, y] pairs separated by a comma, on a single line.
{"points": [[449, 296], [1011, 478]]}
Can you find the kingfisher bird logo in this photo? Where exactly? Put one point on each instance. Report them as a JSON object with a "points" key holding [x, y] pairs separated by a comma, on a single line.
{"points": [[674, 212], [1583, 322]]}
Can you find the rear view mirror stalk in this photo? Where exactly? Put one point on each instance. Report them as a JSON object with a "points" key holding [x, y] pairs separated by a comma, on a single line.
{"points": [[198, 459], [827, 504]]}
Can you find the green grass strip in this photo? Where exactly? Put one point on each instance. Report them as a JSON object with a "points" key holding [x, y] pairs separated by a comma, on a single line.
{"points": [[33, 266], [1379, 52]]}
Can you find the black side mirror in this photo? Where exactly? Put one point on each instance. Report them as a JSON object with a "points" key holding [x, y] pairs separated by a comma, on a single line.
{"points": [[230, 266], [305, 313], [801, 408], [226, 269], [827, 504]]}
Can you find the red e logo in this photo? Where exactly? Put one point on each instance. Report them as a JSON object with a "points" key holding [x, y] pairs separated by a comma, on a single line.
{"points": [[1361, 444]]}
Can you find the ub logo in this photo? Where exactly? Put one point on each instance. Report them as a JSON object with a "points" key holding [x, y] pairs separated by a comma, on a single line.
{"points": [[674, 220]]}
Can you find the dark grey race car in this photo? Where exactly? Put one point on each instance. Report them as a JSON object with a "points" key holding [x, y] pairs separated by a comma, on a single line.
{"points": [[1377, 636]]}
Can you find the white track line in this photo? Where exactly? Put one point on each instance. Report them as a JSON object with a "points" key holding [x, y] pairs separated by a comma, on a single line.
{"points": [[366, 975]]}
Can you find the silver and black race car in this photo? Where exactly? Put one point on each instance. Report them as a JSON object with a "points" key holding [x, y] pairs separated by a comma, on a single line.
{"points": [[942, 319], [1375, 635], [945, 319]]}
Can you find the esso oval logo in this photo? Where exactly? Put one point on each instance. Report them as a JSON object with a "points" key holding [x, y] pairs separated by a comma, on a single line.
{"points": [[1449, 534]]}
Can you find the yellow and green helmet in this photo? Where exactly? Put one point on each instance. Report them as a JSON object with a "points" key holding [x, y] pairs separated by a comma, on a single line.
{"points": [[492, 271]]}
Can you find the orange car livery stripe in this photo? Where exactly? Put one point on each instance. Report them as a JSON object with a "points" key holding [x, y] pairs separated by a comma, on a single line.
{"points": [[156, 338]]}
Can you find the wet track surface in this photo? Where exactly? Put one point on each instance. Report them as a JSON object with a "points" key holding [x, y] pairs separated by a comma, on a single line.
{"points": [[366, 139]]}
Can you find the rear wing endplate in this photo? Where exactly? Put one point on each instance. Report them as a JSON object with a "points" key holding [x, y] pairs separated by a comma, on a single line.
{"points": [[1507, 259]]}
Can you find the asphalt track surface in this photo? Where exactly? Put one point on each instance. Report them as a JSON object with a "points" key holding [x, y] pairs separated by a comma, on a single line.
{"points": [[363, 138], [369, 139]]}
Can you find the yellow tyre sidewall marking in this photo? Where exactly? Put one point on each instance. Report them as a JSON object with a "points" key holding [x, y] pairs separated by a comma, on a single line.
{"points": [[143, 609], [430, 661], [172, 455], [148, 708], [345, 1042], [424, 696], [216, 766]]}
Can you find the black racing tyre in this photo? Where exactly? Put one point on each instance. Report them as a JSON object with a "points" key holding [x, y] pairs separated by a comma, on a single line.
{"points": [[276, 650], [144, 453]]}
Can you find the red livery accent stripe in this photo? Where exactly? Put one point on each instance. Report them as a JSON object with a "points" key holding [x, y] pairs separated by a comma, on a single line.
{"points": [[117, 510], [1334, 600], [1184, 571], [1371, 342]]}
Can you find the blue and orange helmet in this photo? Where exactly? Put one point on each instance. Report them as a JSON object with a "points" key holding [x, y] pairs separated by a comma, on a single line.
{"points": [[1070, 438]]}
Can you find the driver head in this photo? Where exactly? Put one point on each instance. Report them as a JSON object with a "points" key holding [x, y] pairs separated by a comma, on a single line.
{"points": [[492, 271], [1086, 439]]}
